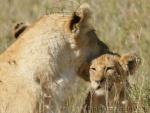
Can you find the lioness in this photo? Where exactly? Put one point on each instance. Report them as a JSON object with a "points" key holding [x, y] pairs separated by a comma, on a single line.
{"points": [[47, 56], [108, 76]]}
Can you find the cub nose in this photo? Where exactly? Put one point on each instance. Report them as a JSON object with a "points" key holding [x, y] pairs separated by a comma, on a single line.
{"points": [[100, 81]]}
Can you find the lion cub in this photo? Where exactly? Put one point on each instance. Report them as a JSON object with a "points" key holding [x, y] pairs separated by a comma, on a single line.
{"points": [[108, 76]]}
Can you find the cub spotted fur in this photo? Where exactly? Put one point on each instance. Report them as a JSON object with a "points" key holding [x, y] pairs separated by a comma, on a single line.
{"points": [[45, 59], [108, 76]]}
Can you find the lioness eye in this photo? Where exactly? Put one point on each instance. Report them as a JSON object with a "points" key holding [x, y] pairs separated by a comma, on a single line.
{"points": [[93, 68]]}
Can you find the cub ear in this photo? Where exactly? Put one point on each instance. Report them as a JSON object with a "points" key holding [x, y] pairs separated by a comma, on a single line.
{"points": [[83, 71], [130, 62], [80, 17]]}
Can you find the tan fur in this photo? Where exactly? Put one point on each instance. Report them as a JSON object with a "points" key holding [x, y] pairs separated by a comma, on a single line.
{"points": [[44, 60], [108, 76]]}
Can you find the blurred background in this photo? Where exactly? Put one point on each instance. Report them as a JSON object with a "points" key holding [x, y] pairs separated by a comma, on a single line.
{"points": [[124, 25]]}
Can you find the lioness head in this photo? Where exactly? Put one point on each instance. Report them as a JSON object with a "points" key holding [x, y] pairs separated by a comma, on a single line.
{"points": [[108, 69]]}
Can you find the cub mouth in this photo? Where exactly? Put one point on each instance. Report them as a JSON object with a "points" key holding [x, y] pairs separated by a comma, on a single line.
{"points": [[98, 87], [109, 87]]}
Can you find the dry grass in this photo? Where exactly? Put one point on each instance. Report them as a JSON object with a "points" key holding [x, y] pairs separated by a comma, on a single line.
{"points": [[121, 24]]}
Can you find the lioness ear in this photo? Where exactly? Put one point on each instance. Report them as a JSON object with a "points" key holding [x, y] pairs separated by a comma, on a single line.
{"points": [[83, 71], [80, 17], [19, 28], [130, 62]]}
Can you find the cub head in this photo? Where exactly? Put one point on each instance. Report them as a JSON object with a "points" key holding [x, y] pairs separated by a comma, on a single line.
{"points": [[19, 28], [108, 69]]}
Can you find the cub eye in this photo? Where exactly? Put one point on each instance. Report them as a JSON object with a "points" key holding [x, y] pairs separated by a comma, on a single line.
{"points": [[102, 80], [109, 68], [97, 81], [93, 68]]}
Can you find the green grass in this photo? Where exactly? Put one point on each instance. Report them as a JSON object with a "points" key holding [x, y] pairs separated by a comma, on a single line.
{"points": [[124, 25]]}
